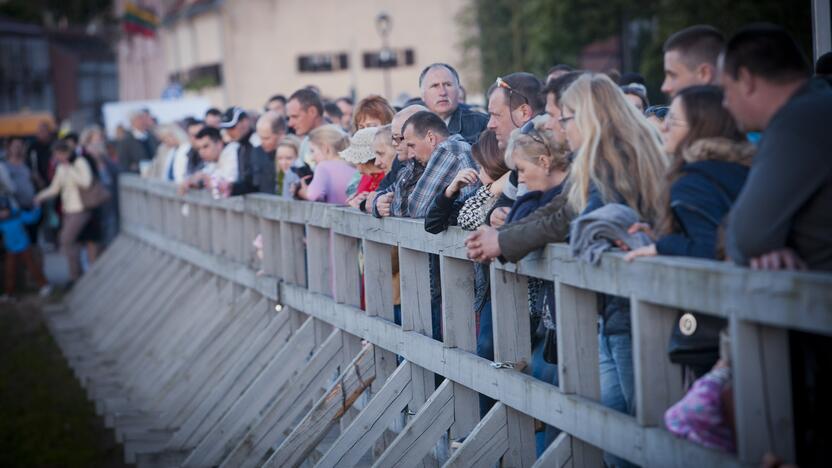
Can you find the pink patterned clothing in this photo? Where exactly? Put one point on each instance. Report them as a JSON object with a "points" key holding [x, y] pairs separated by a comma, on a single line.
{"points": [[698, 416]]}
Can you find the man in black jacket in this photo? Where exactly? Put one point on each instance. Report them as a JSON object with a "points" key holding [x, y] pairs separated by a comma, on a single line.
{"points": [[237, 126], [262, 175], [441, 91], [139, 144]]}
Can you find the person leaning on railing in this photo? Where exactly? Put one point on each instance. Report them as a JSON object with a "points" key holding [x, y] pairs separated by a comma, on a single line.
{"points": [[783, 217]]}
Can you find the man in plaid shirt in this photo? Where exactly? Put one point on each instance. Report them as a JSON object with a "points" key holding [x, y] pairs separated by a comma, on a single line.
{"points": [[430, 146]]}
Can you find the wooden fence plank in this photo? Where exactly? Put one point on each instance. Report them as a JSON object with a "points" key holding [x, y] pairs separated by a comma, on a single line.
{"points": [[356, 378], [762, 391], [658, 382], [382, 410], [558, 454], [420, 435], [486, 444]]}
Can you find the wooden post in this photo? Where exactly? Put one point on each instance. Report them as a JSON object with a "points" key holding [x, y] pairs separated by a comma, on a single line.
{"points": [[318, 266], [416, 314], [459, 331], [293, 264], [762, 391], [272, 255], [658, 382], [512, 343], [578, 371], [235, 235]]}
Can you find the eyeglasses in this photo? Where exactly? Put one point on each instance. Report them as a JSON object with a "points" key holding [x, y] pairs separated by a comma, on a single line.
{"points": [[529, 129], [564, 120], [397, 139], [659, 111], [672, 121]]}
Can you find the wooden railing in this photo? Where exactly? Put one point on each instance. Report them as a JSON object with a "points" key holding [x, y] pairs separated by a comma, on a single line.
{"points": [[310, 267]]}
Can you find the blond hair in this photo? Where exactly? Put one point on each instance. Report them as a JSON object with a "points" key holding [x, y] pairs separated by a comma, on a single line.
{"points": [[330, 136], [621, 154], [290, 141], [539, 142]]}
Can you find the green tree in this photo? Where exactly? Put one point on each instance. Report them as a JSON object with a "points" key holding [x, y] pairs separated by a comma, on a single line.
{"points": [[533, 35]]}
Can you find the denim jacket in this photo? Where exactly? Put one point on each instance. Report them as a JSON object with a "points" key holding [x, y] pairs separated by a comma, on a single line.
{"points": [[467, 123]]}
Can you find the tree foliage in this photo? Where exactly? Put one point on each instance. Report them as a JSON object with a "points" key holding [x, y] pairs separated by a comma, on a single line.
{"points": [[533, 35]]}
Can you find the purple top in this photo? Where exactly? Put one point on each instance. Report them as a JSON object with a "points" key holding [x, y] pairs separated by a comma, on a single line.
{"points": [[329, 184]]}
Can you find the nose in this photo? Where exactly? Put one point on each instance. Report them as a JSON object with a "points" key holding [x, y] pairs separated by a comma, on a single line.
{"points": [[666, 87], [492, 123]]}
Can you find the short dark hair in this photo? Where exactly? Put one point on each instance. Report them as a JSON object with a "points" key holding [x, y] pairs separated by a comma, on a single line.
{"points": [[71, 136], [61, 146], [213, 111], [438, 65], [558, 85], [423, 121], [524, 85], [560, 67], [765, 50], [210, 132], [345, 99], [486, 152], [332, 109], [279, 125], [277, 97], [697, 44], [192, 122], [308, 98]]}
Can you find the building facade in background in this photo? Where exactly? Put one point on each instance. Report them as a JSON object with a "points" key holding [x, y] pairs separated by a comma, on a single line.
{"points": [[66, 72], [243, 51]]}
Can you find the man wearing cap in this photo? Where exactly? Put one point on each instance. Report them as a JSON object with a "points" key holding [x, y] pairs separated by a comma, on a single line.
{"points": [[360, 154], [305, 112], [237, 126], [262, 174]]}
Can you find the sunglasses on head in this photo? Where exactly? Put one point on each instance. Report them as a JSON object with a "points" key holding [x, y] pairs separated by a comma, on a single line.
{"points": [[658, 111], [529, 129], [501, 83]]}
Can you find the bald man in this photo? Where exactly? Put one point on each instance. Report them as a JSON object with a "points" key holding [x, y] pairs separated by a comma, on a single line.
{"points": [[401, 154]]}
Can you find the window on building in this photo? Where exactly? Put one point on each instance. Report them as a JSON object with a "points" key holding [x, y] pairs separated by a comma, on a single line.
{"points": [[313, 63], [389, 58]]}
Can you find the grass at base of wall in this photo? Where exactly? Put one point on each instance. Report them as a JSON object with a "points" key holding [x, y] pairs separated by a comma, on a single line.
{"points": [[45, 416]]}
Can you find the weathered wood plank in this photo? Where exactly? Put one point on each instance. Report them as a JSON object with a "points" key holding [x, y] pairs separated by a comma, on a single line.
{"points": [[293, 248], [512, 344], [486, 444], [382, 410], [421, 433], [558, 454], [269, 429], [356, 378], [658, 382], [762, 391]]}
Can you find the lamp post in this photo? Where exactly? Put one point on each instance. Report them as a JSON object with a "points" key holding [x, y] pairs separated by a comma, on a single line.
{"points": [[384, 24]]}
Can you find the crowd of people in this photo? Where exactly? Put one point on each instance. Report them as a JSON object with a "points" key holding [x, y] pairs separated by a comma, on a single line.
{"points": [[734, 169]]}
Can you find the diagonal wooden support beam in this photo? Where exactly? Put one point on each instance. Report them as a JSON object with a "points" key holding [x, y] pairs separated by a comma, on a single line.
{"points": [[486, 443], [287, 406], [420, 435], [371, 423], [234, 424], [356, 378], [558, 454]]}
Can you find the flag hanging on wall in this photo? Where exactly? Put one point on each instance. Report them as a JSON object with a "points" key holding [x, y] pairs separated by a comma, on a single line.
{"points": [[140, 19]]}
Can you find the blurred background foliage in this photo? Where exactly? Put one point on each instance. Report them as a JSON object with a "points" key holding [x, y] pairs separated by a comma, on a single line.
{"points": [[533, 35]]}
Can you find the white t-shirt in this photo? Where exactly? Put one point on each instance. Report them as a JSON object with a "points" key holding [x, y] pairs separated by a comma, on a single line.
{"points": [[226, 168]]}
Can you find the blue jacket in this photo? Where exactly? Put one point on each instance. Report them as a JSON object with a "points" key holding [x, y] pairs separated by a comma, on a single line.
{"points": [[12, 228], [467, 123], [700, 199], [531, 201]]}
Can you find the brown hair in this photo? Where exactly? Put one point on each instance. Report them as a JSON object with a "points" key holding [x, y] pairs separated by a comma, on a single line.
{"points": [[487, 154], [706, 118], [372, 107]]}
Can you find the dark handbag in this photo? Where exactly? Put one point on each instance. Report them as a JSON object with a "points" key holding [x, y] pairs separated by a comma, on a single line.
{"points": [[550, 346], [94, 196], [694, 341]]}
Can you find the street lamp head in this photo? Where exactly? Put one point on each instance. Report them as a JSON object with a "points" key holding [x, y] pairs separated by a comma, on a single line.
{"points": [[384, 24]]}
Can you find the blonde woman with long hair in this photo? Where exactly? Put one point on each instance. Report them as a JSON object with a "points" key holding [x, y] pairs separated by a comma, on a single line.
{"points": [[618, 159]]}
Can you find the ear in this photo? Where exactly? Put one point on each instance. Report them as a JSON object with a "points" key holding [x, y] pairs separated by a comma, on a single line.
{"points": [[747, 82], [431, 138], [706, 73], [543, 162], [526, 112]]}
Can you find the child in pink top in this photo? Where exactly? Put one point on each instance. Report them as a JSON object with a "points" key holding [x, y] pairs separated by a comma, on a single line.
{"points": [[332, 174]]}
